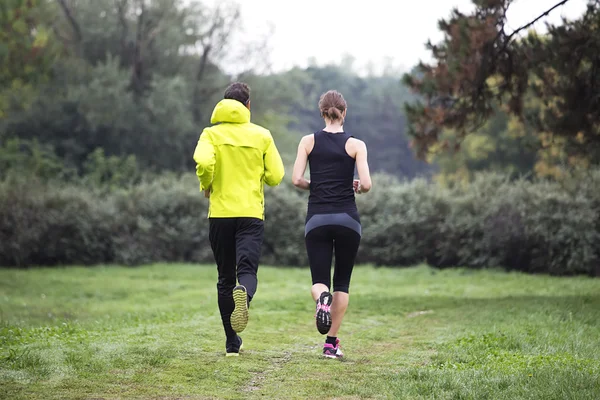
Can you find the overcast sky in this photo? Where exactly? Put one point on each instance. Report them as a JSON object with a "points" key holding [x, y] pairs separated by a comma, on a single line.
{"points": [[368, 30]]}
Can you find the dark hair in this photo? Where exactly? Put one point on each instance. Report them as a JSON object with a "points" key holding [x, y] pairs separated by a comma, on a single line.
{"points": [[332, 105], [238, 91]]}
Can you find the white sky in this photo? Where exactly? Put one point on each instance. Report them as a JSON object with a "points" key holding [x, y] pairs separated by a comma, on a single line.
{"points": [[370, 31]]}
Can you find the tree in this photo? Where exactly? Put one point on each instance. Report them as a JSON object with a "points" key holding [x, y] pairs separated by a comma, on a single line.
{"points": [[27, 50], [139, 77], [502, 144], [479, 64]]}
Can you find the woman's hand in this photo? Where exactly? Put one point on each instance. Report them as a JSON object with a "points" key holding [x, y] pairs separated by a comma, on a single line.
{"points": [[356, 186]]}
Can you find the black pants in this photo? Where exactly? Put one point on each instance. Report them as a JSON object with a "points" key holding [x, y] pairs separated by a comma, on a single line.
{"points": [[324, 234], [236, 244]]}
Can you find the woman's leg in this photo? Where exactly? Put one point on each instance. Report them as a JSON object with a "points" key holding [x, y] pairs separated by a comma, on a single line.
{"points": [[317, 289], [338, 310], [319, 247], [346, 246]]}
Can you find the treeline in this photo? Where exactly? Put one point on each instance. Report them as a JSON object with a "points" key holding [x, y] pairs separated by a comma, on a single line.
{"points": [[140, 82], [540, 227]]}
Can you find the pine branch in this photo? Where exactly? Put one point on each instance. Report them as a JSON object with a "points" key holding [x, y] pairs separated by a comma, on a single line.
{"points": [[531, 23]]}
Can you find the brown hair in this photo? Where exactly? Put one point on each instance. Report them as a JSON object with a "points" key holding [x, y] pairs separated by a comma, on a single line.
{"points": [[332, 105], [238, 91]]}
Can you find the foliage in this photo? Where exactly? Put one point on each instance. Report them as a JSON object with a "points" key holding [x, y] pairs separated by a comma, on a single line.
{"points": [[284, 226], [141, 79], [113, 172], [479, 64], [30, 158], [97, 110], [533, 226], [99, 98], [503, 144], [130, 80], [27, 50], [50, 225], [162, 220]]}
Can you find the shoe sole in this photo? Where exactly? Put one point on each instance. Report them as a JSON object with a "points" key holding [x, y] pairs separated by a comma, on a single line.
{"points": [[324, 317], [239, 316], [335, 356]]}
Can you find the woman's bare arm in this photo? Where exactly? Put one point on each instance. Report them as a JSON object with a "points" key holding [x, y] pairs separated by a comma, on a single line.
{"points": [[300, 164], [362, 166]]}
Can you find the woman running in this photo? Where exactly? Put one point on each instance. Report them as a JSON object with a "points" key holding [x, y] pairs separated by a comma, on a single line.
{"points": [[332, 220]]}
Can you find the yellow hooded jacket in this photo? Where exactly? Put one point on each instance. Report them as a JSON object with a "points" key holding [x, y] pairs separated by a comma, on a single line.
{"points": [[234, 158]]}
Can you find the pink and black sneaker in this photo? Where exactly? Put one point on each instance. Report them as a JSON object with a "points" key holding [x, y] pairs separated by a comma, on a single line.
{"points": [[323, 313], [331, 351]]}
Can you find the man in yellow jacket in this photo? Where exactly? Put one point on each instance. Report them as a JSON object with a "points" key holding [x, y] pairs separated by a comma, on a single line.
{"points": [[234, 159]]}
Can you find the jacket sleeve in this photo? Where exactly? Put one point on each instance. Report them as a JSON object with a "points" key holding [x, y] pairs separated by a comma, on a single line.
{"points": [[204, 155], [274, 170]]}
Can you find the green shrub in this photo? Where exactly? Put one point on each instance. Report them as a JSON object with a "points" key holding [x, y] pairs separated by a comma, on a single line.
{"points": [[111, 172], [285, 214], [539, 227], [400, 221], [42, 224], [20, 157], [164, 220]]}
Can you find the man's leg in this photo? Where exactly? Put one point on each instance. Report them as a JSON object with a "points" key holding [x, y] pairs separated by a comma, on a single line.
{"points": [[222, 242], [249, 238]]}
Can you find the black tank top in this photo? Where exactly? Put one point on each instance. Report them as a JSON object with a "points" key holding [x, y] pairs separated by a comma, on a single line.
{"points": [[331, 175]]}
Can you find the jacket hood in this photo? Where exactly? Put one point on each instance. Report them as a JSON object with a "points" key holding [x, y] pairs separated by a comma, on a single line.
{"points": [[228, 110]]}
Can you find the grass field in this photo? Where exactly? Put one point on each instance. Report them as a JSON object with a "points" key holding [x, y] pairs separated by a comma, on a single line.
{"points": [[154, 332]]}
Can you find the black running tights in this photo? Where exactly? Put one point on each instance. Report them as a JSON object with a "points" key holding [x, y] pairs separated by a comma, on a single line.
{"points": [[321, 242]]}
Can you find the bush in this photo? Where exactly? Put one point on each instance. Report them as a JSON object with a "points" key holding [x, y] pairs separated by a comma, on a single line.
{"points": [[539, 227], [400, 221], [164, 220], [42, 224], [285, 214]]}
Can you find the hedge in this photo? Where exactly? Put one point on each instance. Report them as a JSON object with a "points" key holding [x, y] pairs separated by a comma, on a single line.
{"points": [[537, 227]]}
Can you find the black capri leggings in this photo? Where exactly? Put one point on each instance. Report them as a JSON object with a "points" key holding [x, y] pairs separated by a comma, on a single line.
{"points": [[325, 233]]}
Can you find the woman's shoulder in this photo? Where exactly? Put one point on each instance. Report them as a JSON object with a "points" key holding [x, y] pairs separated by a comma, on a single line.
{"points": [[355, 141], [308, 142], [355, 146], [307, 139]]}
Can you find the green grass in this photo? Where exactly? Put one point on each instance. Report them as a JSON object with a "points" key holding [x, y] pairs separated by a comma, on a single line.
{"points": [[155, 332]]}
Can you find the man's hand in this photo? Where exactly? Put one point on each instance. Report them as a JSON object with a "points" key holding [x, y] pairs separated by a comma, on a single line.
{"points": [[207, 192]]}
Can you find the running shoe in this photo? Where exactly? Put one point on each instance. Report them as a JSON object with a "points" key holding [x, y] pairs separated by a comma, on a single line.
{"points": [[232, 349], [239, 316], [323, 313], [331, 351]]}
